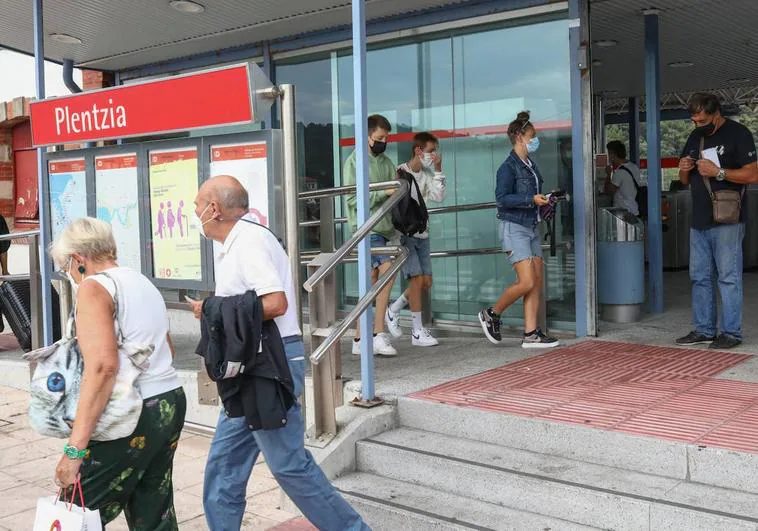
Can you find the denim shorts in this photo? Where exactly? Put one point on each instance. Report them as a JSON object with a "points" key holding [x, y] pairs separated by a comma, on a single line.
{"points": [[520, 243], [377, 240], [419, 260]]}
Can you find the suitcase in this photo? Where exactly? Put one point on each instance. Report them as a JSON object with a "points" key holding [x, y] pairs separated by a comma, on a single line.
{"points": [[15, 302]]}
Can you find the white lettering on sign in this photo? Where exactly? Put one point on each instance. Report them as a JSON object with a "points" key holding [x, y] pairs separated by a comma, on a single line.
{"points": [[96, 119]]}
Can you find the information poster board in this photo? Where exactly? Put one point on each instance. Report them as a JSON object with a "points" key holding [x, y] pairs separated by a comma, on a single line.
{"points": [[117, 196], [68, 192], [173, 186], [248, 163]]}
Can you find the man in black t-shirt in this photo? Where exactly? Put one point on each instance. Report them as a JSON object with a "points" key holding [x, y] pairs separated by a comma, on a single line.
{"points": [[722, 151]]}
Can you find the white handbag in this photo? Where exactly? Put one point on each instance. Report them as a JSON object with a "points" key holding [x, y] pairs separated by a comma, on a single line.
{"points": [[55, 386], [55, 515]]}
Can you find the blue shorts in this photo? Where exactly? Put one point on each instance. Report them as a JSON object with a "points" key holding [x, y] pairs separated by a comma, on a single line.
{"points": [[520, 243], [377, 240], [419, 260]]}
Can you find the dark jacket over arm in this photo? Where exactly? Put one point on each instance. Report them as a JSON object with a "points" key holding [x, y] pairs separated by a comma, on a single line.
{"points": [[245, 356]]}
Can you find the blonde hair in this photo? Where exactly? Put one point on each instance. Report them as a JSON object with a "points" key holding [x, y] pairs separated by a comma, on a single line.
{"points": [[88, 237]]}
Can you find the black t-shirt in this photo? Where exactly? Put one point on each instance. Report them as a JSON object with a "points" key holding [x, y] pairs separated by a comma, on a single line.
{"points": [[736, 148]]}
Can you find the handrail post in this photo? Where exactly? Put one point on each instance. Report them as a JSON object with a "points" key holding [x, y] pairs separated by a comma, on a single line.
{"points": [[36, 308], [326, 376]]}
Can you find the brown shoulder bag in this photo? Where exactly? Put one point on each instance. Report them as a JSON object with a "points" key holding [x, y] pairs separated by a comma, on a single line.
{"points": [[727, 204]]}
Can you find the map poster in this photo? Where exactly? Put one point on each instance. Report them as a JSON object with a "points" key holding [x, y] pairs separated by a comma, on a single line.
{"points": [[116, 194], [173, 187], [249, 165], [68, 192]]}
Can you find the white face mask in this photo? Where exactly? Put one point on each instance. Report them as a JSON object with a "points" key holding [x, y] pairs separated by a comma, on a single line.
{"points": [[200, 224], [67, 274], [427, 160]]}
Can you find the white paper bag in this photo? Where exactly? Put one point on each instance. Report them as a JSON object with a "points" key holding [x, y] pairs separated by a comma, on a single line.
{"points": [[54, 515]]}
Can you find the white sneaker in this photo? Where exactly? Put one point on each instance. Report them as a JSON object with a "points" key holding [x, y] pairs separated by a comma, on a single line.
{"points": [[424, 338], [392, 320], [356, 348], [383, 347]]}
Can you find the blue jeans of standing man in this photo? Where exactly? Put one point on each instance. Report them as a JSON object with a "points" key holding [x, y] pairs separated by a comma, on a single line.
{"points": [[235, 449], [716, 256]]}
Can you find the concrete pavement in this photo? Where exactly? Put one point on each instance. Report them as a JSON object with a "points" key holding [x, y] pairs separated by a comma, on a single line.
{"points": [[27, 463]]}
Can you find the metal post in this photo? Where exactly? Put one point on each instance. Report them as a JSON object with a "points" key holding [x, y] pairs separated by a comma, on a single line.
{"points": [[362, 195], [291, 200], [35, 292], [268, 69], [583, 169], [542, 314], [654, 181], [44, 238], [634, 130]]}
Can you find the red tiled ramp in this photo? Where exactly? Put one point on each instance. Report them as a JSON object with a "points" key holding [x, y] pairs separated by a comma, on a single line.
{"points": [[661, 392]]}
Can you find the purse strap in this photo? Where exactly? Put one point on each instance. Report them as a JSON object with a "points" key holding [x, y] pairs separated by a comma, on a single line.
{"points": [[116, 312], [707, 181]]}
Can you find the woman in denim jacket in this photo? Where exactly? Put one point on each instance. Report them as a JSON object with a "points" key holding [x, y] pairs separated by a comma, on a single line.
{"points": [[519, 196]]}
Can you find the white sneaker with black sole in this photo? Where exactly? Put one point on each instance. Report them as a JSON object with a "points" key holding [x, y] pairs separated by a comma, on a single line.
{"points": [[392, 320], [423, 338], [539, 340]]}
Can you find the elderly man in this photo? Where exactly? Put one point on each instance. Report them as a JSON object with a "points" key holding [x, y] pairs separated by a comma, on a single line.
{"points": [[252, 258]]}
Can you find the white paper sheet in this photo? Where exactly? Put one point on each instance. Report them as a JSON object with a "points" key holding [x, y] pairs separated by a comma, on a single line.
{"points": [[712, 155]]}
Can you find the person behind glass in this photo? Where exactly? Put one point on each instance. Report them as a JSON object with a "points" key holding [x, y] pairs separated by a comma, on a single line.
{"points": [[519, 195], [252, 258], [716, 248], [380, 169], [132, 474], [621, 177], [426, 168]]}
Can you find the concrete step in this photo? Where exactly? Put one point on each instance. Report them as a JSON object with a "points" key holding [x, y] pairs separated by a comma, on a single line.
{"points": [[391, 505], [711, 466], [566, 489]]}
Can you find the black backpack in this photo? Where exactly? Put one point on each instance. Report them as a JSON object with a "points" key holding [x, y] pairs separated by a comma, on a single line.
{"points": [[410, 216], [641, 197]]}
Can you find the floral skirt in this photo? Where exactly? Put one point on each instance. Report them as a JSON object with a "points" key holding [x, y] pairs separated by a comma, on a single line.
{"points": [[133, 474]]}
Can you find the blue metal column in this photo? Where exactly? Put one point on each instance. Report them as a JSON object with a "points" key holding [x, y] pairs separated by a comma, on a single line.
{"points": [[362, 194], [654, 181], [583, 193], [44, 228], [634, 130]]}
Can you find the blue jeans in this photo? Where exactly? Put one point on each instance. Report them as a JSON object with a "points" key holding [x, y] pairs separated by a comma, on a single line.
{"points": [[235, 449], [716, 255]]}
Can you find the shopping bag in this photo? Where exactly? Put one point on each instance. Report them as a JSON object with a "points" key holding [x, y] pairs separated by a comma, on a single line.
{"points": [[55, 515]]}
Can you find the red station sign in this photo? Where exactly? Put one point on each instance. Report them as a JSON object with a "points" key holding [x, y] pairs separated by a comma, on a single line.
{"points": [[222, 96]]}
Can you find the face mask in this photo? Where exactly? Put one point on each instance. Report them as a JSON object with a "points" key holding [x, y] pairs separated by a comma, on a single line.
{"points": [[378, 147], [200, 224], [427, 160], [533, 145], [74, 285], [706, 130]]}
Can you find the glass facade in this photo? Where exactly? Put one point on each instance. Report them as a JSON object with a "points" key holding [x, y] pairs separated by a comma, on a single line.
{"points": [[465, 87]]}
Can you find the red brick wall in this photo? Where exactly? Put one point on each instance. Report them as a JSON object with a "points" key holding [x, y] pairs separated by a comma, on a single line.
{"points": [[7, 204], [94, 80]]}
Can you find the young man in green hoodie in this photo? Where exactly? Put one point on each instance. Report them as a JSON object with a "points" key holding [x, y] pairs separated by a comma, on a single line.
{"points": [[381, 169]]}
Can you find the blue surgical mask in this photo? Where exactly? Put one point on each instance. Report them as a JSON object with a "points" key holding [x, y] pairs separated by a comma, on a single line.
{"points": [[533, 145]]}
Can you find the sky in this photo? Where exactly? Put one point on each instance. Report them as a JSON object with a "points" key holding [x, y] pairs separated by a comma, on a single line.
{"points": [[17, 77]]}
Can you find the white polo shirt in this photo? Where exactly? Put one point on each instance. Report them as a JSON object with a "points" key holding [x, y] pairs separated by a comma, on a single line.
{"points": [[252, 258]]}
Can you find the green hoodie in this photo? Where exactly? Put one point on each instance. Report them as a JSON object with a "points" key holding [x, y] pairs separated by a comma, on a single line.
{"points": [[380, 169]]}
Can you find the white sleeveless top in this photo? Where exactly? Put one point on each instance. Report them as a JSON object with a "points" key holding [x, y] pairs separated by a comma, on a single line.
{"points": [[144, 321]]}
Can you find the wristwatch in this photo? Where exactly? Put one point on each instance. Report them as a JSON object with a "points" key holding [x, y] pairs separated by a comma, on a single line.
{"points": [[722, 175], [72, 452]]}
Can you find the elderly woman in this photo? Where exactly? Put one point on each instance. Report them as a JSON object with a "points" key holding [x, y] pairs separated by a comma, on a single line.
{"points": [[132, 474]]}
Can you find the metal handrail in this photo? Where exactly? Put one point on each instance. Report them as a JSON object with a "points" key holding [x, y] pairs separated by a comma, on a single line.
{"points": [[346, 190], [436, 210], [360, 307], [19, 235], [307, 256], [362, 231]]}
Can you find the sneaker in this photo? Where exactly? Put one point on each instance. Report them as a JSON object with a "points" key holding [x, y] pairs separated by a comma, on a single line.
{"points": [[724, 342], [539, 340], [356, 348], [695, 338], [423, 338], [392, 320], [382, 346], [490, 326]]}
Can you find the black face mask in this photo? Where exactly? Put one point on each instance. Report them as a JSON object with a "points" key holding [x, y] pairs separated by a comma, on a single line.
{"points": [[378, 147], [706, 130]]}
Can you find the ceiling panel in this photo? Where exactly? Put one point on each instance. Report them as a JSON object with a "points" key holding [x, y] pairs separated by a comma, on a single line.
{"points": [[718, 36], [119, 34]]}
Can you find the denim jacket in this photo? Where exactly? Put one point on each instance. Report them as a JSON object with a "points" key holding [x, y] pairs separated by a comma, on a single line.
{"points": [[515, 191]]}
